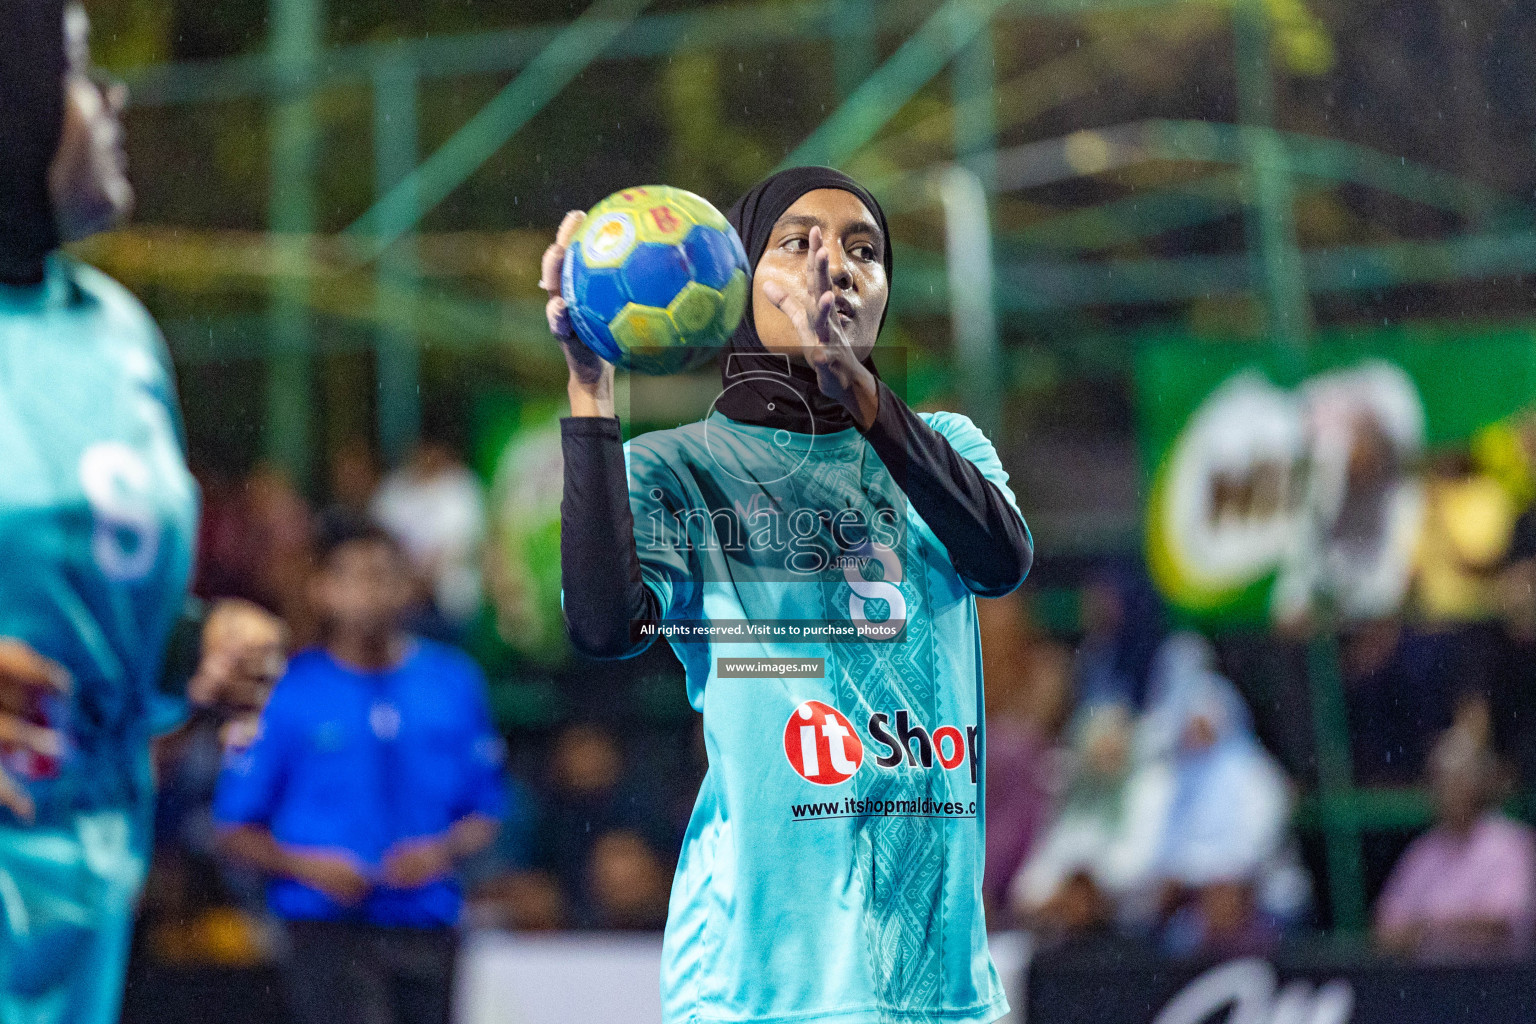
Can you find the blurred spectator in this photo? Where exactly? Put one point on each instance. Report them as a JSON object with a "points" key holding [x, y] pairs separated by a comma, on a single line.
{"points": [[1505, 451], [1469, 521], [1517, 581], [374, 774], [187, 922], [1229, 872], [1093, 867], [1459, 636], [590, 798], [1516, 715], [435, 507], [1467, 888], [505, 889], [280, 540], [353, 481], [525, 901], [1121, 626], [225, 567], [628, 882], [1027, 693], [1403, 681], [1182, 659], [256, 541]]}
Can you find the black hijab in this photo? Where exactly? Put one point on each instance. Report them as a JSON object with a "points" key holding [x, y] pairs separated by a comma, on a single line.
{"points": [[32, 66], [764, 388]]}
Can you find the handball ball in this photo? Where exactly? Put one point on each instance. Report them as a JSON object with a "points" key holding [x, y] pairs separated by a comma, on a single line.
{"points": [[655, 280]]}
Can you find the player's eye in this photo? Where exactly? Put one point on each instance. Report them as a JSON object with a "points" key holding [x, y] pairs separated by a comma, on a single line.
{"points": [[864, 251], [797, 243]]}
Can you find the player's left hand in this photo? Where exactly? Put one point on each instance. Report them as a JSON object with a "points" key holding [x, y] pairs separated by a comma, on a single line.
{"points": [[413, 863], [818, 316], [25, 676], [243, 657]]}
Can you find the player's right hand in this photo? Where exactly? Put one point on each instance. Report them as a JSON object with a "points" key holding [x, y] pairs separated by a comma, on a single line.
{"points": [[588, 369], [25, 678], [334, 872]]}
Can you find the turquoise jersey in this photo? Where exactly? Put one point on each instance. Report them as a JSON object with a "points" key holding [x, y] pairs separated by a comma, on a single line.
{"points": [[97, 520], [832, 868]]}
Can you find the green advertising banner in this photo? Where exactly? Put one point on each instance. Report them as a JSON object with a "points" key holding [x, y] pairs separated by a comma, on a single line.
{"points": [[1276, 481]]}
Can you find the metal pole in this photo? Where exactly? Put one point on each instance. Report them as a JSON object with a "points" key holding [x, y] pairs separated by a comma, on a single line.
{"points": [[974, 81], [1335, 777], [397, 359], [971, 258], [1272, 221], [968, 256], [888, 88], [573, 50], [297, 31], [1288, 322], [853, 26]]}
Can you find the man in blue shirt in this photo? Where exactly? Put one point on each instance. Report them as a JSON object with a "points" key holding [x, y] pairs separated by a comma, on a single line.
{"points": [[375, 771]]}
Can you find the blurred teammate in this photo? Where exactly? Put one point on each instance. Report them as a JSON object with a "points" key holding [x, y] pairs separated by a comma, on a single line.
{"points": [[97, 514], [832, 868], [375, 772]]}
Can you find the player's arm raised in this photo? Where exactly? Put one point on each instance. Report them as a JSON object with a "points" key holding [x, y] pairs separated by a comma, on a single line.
{"points": [[602, 593], [243, 655]]}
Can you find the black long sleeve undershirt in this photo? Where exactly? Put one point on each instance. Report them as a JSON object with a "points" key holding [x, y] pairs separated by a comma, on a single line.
{"points": [[987, 541], [606, 601]]}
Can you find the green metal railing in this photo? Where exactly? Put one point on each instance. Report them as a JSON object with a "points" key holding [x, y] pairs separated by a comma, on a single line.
{"points": [[297, 30]]}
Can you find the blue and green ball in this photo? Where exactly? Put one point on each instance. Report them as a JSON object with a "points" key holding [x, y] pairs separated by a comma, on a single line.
{"points": [[656, 280]]}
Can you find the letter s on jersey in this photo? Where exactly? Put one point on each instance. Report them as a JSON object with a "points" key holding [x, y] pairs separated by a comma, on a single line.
{"points": [[119, 486], [865, 591]]}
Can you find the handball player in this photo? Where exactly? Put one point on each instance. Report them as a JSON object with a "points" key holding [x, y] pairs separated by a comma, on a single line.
{"points": [[97, 518], [832, 867]]}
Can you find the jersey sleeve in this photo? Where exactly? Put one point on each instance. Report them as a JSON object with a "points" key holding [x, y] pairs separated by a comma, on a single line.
{"points": [[951, 474], [966, 438], [657, 498], [251, 782]]}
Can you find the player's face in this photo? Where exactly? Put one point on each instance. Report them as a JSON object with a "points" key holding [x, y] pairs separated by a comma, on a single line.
{"points": [[88, 181], [854, 242], [364, 588]]}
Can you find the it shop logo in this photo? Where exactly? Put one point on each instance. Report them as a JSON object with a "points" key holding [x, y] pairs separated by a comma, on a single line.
{"points": [[823, 747], [821, 744]]}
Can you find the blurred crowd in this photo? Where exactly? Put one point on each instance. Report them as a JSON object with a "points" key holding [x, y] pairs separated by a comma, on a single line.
{"points": [[1145, 787], [1152, 812], [588, 837], [258, 533], [1164, 821], [1144, 781]]}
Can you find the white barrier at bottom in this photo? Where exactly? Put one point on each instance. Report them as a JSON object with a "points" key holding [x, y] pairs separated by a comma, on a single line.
{"points": [[510, 978]]}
